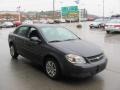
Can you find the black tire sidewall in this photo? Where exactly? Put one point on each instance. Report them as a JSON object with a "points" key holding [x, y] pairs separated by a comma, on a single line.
{"points": [[108, 32], [15, 52]]}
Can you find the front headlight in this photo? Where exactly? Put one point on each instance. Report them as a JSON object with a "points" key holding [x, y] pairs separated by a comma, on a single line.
{"points": [[75, 59]]}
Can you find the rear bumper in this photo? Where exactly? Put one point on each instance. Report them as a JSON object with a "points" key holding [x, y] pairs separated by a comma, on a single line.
{"points": [[112, 29], [85, 70]]}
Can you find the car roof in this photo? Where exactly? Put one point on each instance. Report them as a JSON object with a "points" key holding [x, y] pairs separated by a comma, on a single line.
{"points": [[41, 25]]}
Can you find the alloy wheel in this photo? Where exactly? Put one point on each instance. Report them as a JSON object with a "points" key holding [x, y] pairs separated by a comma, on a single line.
{"points": [[51, 68]]}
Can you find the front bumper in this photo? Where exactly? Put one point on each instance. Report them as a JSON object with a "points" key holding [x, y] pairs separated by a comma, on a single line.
{"points": [[85, 69], [97, 25], [92, 25]]}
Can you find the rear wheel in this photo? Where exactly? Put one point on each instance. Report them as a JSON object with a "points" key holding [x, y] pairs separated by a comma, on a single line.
{"points": [[91, 27], [99, 26], [108, 32], [13, 51], [52, 68]]}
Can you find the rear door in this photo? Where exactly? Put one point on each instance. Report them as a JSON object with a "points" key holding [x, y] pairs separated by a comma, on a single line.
{"points": [[20, 37]]}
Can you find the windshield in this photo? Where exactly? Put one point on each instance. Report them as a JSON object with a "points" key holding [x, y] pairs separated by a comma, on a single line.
{"points": [[98, 20], [115, 21], [57, 34]]}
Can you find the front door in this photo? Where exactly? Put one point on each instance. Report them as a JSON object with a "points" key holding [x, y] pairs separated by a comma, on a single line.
{"points": [[33, 48]]}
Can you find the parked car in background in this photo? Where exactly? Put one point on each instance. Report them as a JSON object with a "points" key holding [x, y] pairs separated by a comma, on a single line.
{"points": [[43, 21], [58, 50], [112, 26], [36, 21], [98, 23], [62, 21], [17, 23], [90, 19], [0, 25], [50, 21], [57, 21], [7, 25], [27, 22]]}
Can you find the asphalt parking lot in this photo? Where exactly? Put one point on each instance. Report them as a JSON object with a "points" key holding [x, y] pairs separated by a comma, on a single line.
{"points": [[22, 75]]}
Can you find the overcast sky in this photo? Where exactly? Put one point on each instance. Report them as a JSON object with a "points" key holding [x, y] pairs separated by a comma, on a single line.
{"points": [[92, 6]]}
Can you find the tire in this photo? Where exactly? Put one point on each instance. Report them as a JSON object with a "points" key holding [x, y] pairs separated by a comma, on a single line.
{"points": [[99, 26], [91, 27], [108, 32], [13, 51], [52, 68]]}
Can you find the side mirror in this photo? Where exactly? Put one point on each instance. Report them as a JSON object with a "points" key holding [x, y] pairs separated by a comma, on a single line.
{"points": [[35, 39]]}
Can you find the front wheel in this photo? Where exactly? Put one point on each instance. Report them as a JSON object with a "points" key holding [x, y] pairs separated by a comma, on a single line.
{"points": [[52, 68], [13, 52]]}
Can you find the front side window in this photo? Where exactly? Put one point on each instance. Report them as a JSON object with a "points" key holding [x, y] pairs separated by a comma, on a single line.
{"points": [[57, 34], [22, 31], [33, 32]]}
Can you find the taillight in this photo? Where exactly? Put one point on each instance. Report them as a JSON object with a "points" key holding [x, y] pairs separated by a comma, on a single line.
{"points": [[117, 26]]}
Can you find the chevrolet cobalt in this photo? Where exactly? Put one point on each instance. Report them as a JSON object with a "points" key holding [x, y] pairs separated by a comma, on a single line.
{"points": [[58, 50]]}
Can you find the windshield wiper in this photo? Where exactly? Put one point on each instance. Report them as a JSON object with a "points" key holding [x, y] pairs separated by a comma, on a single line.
{"points": [[55, 41], [69, 39]]}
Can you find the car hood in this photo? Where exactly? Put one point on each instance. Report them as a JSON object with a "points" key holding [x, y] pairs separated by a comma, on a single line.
{"points": [[79, 47], [96, 23]]}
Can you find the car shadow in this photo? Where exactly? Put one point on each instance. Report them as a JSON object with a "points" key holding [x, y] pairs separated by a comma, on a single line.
{"points": [[97, 29], [112, 34], [35, 71], [113, 38], [21, 60]]}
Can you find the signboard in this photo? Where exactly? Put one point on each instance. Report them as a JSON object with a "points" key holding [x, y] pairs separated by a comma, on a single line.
{"points": [[65, 11], [71, 10]]}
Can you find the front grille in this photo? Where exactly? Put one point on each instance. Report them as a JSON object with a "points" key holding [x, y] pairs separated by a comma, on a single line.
{"points": [[95, 58]]}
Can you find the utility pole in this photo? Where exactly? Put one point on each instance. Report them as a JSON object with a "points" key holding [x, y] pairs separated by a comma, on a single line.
{"points": [[53, 9], [19, 16], [78, 4], [103, 10], [61, 11], [79, 13], [18, 9]]}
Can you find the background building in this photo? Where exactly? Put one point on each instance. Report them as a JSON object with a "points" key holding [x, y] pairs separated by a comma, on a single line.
{"points": [[11, 16]]}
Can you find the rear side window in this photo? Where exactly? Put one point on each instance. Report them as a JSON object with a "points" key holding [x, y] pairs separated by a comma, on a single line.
{"points": [[22, 31]]}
